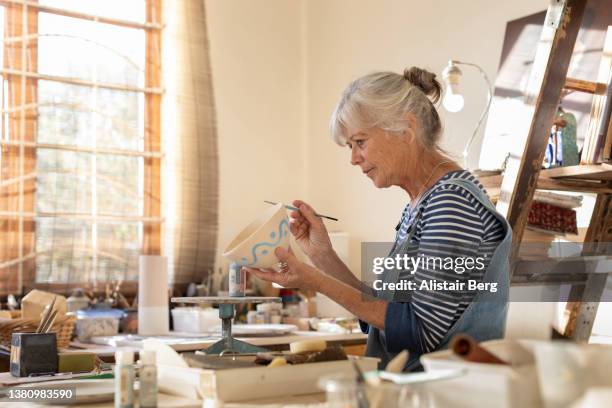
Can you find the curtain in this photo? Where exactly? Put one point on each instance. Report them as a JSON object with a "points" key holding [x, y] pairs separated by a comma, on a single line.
{"points": [[190, 177]]}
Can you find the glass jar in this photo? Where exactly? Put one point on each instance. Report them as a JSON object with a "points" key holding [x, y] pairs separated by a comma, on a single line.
{"points": [[343, 391]]}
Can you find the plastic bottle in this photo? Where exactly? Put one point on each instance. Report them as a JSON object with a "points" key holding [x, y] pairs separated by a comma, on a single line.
{"points": [[237, 280], [124, 379], [148, 379]]}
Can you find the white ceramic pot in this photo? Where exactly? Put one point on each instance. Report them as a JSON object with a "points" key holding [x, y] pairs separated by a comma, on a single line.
{"points": [[254, 246]]}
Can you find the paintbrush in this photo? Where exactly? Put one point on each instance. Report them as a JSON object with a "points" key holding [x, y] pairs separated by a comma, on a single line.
{"points": [[46, 314], [50, 322], [290, 207]]}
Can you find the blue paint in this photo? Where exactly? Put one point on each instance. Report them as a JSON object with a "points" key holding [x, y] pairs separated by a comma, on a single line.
{"points": [[283, 230]]}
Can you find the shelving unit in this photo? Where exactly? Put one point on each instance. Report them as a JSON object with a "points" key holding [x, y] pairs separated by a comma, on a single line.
{"points": [[585, 178], [514, 190]]}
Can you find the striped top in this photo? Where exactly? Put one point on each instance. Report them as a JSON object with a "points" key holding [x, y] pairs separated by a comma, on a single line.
{"points": [[453, 223]]}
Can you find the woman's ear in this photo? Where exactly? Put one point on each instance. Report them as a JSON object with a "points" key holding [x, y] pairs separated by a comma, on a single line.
{"points": [[409, 133]]}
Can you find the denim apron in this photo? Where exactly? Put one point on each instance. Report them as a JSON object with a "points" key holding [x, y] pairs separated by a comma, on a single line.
{"points": [[485, 317]]}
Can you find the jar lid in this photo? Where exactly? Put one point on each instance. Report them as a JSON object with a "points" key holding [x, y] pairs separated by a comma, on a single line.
{"points": [[100, 314], [124, 357]]}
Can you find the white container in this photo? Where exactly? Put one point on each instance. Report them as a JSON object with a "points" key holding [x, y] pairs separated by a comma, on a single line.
{"points": [[488, 385], [153, 306], [342, 390], [194, 319], [94, 323], [148, 379], [124, 379], [237, 280], [567, 370]]}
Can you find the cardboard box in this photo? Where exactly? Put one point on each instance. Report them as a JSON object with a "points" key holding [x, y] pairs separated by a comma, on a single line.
{"points": [[247, 384], [33, 304]]}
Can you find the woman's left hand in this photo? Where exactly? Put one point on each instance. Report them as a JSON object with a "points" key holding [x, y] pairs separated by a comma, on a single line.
{"points": [[295, 275]]}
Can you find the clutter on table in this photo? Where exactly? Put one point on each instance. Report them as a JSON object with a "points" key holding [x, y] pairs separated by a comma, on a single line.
{"points": [[42, 312], [246, 377]]}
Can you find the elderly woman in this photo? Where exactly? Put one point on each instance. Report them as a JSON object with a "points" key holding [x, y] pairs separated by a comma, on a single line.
{"points": [[391, 126]]}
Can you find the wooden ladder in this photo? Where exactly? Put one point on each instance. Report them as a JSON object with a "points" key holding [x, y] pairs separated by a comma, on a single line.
{"points": [[523, 172]]}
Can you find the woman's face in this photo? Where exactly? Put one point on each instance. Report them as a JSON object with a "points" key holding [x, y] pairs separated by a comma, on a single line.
{"points": [[386, 158]]}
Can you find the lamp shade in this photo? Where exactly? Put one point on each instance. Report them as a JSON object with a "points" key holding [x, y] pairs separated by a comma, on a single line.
{"points": [[453, 99]]}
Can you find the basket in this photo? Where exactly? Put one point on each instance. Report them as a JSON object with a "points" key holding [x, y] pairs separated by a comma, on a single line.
{"points": [[63, 327]]}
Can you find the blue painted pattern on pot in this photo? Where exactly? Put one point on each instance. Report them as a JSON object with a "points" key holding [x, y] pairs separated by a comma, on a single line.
{"points": [[262, 248]]}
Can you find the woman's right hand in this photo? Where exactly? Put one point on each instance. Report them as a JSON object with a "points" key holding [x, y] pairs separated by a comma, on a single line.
{"points": [[310, 232]]}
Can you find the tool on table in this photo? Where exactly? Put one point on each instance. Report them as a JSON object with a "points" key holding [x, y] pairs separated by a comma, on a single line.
{"points": [[49, 323], [290, 207], [396, 366], [46, 317], [227, 308], [362, 398], [397, 363], [467, 348]]}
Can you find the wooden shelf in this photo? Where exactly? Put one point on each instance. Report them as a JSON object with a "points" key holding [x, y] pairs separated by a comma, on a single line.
{"points": [[560, 270], [596, 172], [580, 85], [578, 186], [585, 178]]}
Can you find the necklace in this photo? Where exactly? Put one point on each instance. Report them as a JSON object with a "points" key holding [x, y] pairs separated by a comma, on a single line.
{"points": [[416, 199]]}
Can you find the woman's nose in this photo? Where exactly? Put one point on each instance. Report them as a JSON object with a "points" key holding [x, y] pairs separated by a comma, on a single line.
{"points": [[355, 156]]}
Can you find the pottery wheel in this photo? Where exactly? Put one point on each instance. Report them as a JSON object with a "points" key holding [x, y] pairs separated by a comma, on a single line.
{"points": [[227, 306]]}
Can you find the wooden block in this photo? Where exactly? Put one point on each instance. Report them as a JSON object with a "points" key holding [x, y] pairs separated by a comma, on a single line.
{"points": [[76, 362], [356, 350], [34, 303]]}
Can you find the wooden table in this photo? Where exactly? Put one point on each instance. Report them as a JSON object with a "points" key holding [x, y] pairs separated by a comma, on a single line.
{"points": [[350, 341], [353, 343]]}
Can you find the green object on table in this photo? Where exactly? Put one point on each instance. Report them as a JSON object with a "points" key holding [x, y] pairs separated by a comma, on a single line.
{"points": [[80, 362], [103, 376]]}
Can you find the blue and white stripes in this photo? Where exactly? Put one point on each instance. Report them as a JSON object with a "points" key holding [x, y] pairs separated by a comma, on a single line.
{"points": [[452, 224]]}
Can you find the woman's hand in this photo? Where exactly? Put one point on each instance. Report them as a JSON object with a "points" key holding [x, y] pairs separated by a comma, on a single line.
{"points": [[309, 232], [296, 274]]}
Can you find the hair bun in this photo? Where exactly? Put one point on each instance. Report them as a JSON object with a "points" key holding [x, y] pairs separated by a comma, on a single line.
{"points": [[425, 81]]}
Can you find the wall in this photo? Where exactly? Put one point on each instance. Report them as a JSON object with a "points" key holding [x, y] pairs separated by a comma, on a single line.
{"points": [[349, 38], [279, 67], [258, 69]]}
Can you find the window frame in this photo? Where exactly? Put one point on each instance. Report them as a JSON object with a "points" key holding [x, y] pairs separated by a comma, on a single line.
{"points": [[18, 161]]}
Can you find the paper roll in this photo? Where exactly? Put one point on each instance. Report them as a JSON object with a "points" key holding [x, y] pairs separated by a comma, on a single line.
{"points": [[152, 295]]}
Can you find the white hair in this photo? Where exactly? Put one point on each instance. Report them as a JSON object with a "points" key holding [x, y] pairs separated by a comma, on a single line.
{"points": [[382, 99]]}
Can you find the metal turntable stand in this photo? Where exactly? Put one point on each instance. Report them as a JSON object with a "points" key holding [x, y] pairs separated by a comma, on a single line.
{"points": [[227, 309]]}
